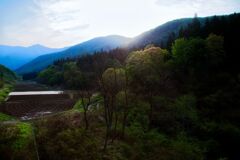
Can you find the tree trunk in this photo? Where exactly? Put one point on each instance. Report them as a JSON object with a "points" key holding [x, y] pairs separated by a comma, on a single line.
{"points": [[106, 139], [115, 127], [85, 108], [106, 115], [151, 110], [124, 123], [126, 105]]}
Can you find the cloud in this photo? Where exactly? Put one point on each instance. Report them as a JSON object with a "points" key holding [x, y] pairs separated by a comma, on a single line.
{"points": [[59, 23], [200, 6], [61, 14], [78, 28], [192, 3]]}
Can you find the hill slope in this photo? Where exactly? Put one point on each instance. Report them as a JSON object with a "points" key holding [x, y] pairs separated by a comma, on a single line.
{"points": [[161, 33], [16, 56], [96, 44], [7, 74], [157, 36]]}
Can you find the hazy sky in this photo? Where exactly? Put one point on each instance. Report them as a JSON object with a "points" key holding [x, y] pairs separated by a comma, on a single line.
{"points": [[59, 23]]}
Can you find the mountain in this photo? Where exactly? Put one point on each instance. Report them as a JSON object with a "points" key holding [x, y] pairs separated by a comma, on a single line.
{"points": [[157, 36], [7, 74], [161, 33], [88, 47], [15, 56]]}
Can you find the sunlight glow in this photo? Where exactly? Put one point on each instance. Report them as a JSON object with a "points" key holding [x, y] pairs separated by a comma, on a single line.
{"points": [[59, 23]]}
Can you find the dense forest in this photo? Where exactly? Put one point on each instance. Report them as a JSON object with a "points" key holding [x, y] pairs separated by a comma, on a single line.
{"points": [[177, 100]]}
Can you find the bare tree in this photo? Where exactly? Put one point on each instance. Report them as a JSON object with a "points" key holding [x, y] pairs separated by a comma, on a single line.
{"points": [[86, 101]]}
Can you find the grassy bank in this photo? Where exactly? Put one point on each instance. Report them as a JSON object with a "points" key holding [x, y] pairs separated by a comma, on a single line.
{"points": [[5, 117], [16, 141], [4, 91]]}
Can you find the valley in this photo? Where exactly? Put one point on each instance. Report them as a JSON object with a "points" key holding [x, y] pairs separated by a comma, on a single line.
{"points": [[171, 93]]}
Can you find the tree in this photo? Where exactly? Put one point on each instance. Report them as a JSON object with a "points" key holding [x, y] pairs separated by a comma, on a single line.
{"points": [[197, 56], [190, 56], [73, 77], [85, 103], [51, 76], [148, 73], [214, 44], [112, 81], [194, 27], [1, 80], [170, 40]]}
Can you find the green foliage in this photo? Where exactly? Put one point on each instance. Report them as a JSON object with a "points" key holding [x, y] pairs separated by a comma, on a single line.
{"points": [[16, 141], [114, 79], [154, 145], [95, 101], [6, 75], [3, 95], [65, 135], [185, 148], [179, 105], [5, 117], [215, 47], [73, 77], [19, 134], [151, 145], [1, 84], [185, 108], [138, 116], [4, 92], [197, 55], [24, 135], [51, 76], [172, 116], [148, 71], [79, 106], [67, 75], [72, 144], [190, 55]]}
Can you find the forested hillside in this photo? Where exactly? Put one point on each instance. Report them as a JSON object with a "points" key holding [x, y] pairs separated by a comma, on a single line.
{"points": [[162, 36], [7, 79], [177, 101], [6, 74]]}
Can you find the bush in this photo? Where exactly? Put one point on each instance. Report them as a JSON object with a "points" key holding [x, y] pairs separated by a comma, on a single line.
{"points": [[185, 111], [4, 92], [16, 142], [70, 144], [5, 117], [1, 84], [186, 149]]}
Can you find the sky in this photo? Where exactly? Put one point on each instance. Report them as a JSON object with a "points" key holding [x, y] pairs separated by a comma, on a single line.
{"points": [[61, 23]]}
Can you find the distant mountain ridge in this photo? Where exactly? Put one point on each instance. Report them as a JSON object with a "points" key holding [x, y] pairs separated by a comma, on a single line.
{"points": [[15, 56], [161, 33], [153, 36], [88, 47], [156, 36]]}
